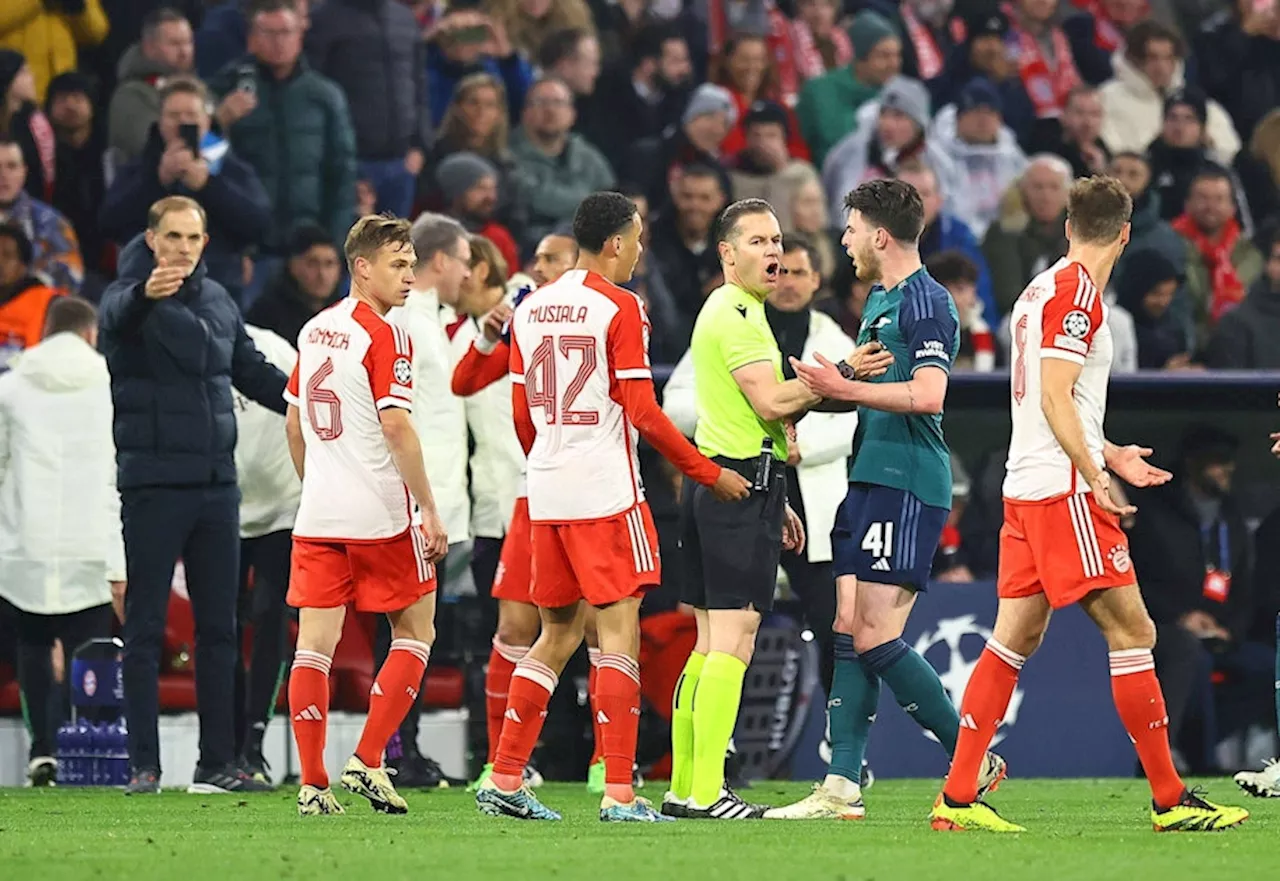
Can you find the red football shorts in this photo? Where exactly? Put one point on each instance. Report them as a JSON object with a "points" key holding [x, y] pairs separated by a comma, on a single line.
{"points": [[513, 579], [600, 561], [379, 576], [1064, 548]]}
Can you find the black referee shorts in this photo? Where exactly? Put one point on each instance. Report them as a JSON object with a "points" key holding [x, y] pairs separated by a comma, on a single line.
{"points": [[731, 549]]}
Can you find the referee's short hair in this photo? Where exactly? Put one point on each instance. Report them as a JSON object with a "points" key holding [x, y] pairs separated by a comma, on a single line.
{"points": [[891, 205], [727, 225], [69, 315], [600, 217]]}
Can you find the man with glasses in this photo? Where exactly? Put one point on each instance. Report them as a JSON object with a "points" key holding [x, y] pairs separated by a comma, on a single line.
{"points": [[558, 166], [292, 125]]}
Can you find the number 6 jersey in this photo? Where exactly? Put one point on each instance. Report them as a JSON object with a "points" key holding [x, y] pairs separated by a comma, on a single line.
{"points": [[574, 346], [352, 364]]}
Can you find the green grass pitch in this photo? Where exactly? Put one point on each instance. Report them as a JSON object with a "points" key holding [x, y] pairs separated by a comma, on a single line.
{"points": [[1079, 829]]}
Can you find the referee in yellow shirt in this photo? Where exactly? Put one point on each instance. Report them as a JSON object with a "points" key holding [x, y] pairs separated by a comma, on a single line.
{"points": [[732, 549]]}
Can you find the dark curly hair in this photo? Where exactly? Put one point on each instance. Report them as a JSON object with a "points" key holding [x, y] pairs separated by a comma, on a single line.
{"points": [[600, 217], [891, 205]]}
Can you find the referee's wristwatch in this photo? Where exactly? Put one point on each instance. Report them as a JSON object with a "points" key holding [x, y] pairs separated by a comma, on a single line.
{"points": [[846, 371]]}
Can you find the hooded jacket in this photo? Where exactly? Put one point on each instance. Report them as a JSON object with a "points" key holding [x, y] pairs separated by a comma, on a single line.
{"points": [[1245, 338], [173, 362], [985, 171], [1133, 112], [61, 541], [1159, 337], [850, 163], [1150, 232], [50, 39], [135, 105]]}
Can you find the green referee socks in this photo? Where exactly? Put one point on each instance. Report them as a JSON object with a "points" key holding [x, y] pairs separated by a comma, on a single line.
{"points": [[855, 692], [682, 726], [715, 712], [917, 688]]}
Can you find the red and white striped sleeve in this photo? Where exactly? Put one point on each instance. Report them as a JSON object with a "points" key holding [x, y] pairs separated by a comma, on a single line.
{"points": [[1071, 316], [389, 363]]}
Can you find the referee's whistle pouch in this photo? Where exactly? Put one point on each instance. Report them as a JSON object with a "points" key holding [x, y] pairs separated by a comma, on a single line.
{"points": [[764, 467]]}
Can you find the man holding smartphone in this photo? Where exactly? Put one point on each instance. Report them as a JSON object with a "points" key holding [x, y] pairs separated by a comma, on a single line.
{"points": [[182, 158]]}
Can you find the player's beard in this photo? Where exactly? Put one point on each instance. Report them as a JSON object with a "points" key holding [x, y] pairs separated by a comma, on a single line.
{"points": [[866, 265]]}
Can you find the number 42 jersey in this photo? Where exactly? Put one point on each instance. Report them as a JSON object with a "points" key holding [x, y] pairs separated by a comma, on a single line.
{"points": [[352, 364], [572, 342]]}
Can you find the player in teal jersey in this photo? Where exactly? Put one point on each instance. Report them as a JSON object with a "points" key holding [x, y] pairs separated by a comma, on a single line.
{"points": [[899, 496]]}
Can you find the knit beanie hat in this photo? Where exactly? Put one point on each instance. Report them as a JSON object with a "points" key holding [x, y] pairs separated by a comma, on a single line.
{"points": [[462, 171], [867, 30], [710, 98]]}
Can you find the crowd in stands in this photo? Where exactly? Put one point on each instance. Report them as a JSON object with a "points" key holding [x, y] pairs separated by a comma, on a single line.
{"points": [[287, 119]]}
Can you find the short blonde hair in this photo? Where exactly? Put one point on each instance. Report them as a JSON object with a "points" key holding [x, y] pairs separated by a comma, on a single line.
{"points": [[1098, 207], [373, 232], [168, 205]]}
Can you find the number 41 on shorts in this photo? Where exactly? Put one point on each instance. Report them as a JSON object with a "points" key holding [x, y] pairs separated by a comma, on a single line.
{"points": [[878, 542]]}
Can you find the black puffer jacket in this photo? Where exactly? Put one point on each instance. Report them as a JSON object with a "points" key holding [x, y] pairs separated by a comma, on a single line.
{"points": [[173, 362], [373, 50]]}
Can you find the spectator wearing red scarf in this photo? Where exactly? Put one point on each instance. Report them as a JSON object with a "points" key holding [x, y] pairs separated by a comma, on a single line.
{"points": [[929, 31], [1096, 30], [1221, 262], [745, 70], [820, 45], [1042, 54]]}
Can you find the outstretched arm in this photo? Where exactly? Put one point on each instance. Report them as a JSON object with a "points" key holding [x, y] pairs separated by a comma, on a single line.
{"points": [[484, 363], [641, 406], [1130, 464]]}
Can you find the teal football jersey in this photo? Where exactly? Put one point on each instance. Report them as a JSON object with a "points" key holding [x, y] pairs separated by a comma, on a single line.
{"points": [[917, 322]]}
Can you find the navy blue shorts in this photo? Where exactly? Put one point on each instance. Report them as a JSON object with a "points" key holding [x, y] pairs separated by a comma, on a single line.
{"points": [[886, 536]]}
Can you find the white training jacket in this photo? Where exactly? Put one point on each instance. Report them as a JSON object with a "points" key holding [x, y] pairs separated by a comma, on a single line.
{"points": [[438, 414], [61, 540], [269, 485]]}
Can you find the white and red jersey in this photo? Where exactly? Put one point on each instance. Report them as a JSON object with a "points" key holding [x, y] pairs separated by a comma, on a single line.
{"points": [[1059, 315], [571, 344], [352, 364]]}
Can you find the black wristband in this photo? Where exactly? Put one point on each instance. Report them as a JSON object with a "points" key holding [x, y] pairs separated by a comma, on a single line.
{"points": [[845, 370]]}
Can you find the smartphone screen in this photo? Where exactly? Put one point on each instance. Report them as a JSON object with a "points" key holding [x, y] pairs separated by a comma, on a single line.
{"points": [[471, 36], [190, 135]]}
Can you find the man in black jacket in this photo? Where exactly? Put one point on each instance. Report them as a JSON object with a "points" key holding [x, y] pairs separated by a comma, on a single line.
{"points": [[226, 187], [175, 345], [373, 50], [1190, 544]]}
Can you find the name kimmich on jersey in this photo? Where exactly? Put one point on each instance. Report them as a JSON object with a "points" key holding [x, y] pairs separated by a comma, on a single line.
{"points": [[570, 345], [352, 364]]}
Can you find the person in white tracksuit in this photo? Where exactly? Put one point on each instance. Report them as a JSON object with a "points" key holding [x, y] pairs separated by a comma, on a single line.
{"points": [[61, 542], [269, 494], [444, 257]]}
